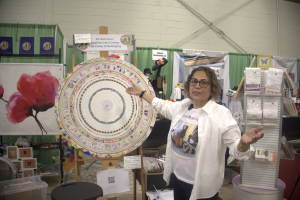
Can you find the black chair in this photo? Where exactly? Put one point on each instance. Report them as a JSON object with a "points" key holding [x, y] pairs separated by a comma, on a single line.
{"points": [[77, 191]]}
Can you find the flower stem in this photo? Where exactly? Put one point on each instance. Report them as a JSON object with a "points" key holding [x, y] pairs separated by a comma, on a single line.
{"points": [[39, 123], [4, 100], [42, 126]]}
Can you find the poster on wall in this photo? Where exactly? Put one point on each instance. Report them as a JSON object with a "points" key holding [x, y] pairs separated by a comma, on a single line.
{"points": [[6, 45], [184, 63], [26, 45], [27, 97], [47, 45]]}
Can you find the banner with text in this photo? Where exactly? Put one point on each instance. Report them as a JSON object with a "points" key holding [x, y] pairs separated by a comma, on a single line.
{"points": [[105, 42]]}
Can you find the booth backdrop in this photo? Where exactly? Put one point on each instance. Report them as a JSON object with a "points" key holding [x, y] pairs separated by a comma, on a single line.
{"points": [[144, 60], [17, 30]]}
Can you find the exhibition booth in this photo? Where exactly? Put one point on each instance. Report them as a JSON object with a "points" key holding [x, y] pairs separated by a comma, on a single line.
{"points": [[61, 103]]}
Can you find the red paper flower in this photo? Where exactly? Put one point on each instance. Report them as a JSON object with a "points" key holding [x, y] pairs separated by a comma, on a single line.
{"points": [[1, 91], [18, 108], [114, 56], [39, 89]]}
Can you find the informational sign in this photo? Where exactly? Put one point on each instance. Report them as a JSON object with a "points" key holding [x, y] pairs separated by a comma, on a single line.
{"points": [[132, 162], [105, 42], [116, 181], [82, 38], [159, 54]]}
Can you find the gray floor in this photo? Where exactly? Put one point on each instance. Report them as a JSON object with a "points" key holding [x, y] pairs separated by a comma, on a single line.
{"points": [[89, 175]]}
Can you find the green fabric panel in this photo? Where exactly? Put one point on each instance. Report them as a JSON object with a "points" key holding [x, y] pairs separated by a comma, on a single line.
{"points": [[44, 156], [17, 30], [237, 64], [79, 57], [32, 138], [59, 45], [144, 60]]}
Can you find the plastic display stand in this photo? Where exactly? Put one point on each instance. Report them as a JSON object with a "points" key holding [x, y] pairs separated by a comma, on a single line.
{"points": [[263, 174], [249, 193]]}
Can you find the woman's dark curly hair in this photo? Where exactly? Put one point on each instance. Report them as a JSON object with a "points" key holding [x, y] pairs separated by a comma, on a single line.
{"points": [[213, 81]]}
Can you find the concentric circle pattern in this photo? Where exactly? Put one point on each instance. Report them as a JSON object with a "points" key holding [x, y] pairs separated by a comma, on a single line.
{"points": [[96, 115]]}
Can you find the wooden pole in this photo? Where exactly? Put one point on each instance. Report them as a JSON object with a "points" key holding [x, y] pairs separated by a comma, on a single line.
{"points": [[76, 154], [134, 152], [73, 60], [142, 174], [140, 153], [103, 30], [134, 60]]}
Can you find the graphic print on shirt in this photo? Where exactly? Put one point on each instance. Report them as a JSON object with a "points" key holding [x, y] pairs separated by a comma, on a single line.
{"points": [[185, 136]]}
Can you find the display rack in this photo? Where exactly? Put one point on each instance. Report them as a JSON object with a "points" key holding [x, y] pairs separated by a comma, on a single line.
{"points": [[263, 174]]}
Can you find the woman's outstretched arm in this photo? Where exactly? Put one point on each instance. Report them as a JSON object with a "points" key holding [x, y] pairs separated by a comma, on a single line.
{"points": [[136, 90]]}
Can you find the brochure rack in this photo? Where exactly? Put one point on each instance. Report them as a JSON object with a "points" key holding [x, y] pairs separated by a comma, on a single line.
{"points": [[262, 173]]}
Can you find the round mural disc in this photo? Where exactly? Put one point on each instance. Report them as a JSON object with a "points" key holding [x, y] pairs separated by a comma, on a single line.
{"points": [[96, 115]]}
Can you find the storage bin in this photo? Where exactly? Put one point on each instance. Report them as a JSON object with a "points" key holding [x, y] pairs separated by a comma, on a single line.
{"points": [[28, 188]]}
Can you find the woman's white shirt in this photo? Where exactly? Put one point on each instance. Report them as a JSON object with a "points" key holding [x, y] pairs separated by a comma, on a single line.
{"points": [[219, 132]]}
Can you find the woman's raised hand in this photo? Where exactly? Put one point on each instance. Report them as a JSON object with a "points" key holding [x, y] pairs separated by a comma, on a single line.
{"points": [[134, 89], [252, 135]]}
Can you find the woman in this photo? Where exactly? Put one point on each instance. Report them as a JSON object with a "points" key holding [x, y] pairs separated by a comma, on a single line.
{"points": [[200, 175]]}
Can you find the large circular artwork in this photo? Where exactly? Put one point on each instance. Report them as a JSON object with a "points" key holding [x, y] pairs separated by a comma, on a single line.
{"points": [[96, 115]]}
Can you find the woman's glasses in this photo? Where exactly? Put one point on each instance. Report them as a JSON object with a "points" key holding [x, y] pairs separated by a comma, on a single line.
{"points": [[203, 83]]}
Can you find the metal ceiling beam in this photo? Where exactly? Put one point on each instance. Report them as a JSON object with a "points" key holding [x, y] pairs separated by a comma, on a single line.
{"points": [[209, 25]]}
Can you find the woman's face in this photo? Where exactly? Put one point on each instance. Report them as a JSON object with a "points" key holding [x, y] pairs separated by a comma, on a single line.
{"points": [[198, 93]]}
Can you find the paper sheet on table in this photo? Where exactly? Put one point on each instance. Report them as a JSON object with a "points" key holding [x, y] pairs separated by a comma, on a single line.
{"points": [[132, 162], [115, 181], [163, 195]]}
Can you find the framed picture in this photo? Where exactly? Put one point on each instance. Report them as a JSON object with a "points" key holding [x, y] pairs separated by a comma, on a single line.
{"points": [[12, 152], [18, 165], [28, 173], [29, 163], [20, 175], [264, 61], [25, 152]]}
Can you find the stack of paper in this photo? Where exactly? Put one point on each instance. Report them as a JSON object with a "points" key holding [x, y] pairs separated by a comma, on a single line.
{"points": [[289, 104]]}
